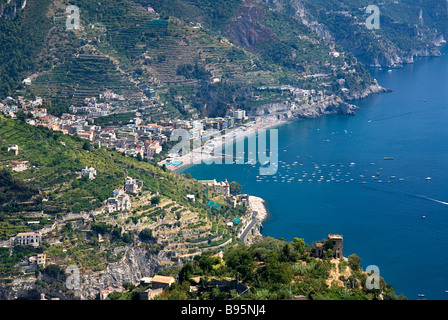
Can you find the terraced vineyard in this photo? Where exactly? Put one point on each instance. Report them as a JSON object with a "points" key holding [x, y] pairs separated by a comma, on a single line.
{"points": [[87, 75]]}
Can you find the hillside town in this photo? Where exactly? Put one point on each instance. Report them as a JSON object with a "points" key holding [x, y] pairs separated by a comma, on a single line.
{"points": [[138, 138]]}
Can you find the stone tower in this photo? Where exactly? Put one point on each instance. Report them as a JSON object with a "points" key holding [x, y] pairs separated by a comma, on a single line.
{"points": [[337, 241]]}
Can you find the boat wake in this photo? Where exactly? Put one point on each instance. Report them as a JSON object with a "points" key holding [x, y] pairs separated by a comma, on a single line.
{"points": [[392, 117], [412, 195], [431, 199]]}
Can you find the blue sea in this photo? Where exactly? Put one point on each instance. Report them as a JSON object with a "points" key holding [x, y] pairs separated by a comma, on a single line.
{"points": [[388, 212]]}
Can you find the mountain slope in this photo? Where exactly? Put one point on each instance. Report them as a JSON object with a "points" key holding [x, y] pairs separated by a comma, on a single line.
{"points": [[129, 45]]}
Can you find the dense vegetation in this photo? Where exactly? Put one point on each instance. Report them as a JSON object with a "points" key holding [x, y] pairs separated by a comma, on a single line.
{"points": [[269, 269], [20, 42], [401, 31], [125, 48], [54, 185], [12, 189]]}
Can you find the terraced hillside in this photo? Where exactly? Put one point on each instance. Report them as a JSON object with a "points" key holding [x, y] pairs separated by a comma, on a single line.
{"points": [[129, 45], [51, 196]]}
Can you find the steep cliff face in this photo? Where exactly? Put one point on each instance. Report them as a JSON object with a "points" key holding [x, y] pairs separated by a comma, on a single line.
{"points": [[407, 30], [371, 89], [287, 110], [300, 13], [136, 263], [245, 29]]}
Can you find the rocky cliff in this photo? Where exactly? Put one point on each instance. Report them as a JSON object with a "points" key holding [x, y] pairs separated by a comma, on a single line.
{"points": [[407, 30], [315, 107], [135, 264]]}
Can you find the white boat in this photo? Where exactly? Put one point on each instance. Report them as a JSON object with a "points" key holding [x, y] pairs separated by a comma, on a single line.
{"points": [[428, 178]]}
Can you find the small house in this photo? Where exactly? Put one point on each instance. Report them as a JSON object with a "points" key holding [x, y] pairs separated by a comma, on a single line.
{"points": [[18, 166], [90, 172], [14, 147], [162, 282]]}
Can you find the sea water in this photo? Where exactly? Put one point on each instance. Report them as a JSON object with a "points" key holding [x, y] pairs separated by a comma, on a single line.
{"points": [[333, 178]]}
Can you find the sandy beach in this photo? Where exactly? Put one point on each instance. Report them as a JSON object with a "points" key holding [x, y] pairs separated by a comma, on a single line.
{"points": [[198, 155]]}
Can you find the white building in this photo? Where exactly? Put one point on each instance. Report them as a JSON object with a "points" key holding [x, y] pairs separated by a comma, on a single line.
{"points": [[90, 172], [153, 149], [334, 54], [133, 186], [13, 147], [28, 238], [18, 166], [239, 114], [120, 201]]}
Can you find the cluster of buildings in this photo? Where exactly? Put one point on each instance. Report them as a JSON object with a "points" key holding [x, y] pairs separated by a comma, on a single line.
{"points": [[11, 106], [132, 139], [221, 187], [120, 200], [136, 138], [91, 109]]}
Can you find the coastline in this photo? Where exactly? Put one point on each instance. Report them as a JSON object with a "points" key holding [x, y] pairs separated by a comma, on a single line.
{"points": [[259, 205], [258, 214], [198, 155]]}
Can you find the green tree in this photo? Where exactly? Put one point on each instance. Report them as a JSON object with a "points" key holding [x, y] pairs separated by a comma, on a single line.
{"points": [[354, 262], [276, 272], [128, 286], [86, 145], [235, 188], [186, 272], [288, 254], [240, 261], [155, 200], [146, 235], [206, 263]]}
